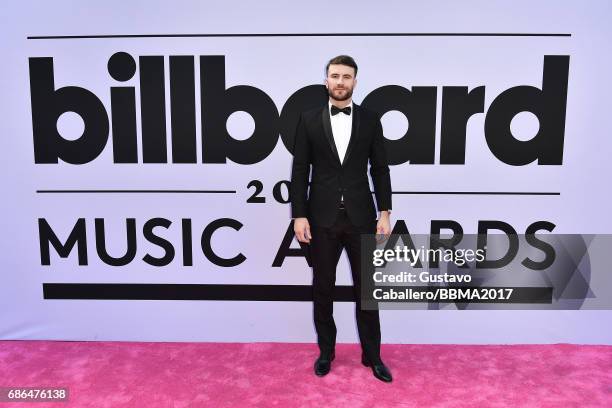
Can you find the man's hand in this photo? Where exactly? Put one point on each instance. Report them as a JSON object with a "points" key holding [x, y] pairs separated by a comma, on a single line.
{"points": [[384, 224], [301, 227]]}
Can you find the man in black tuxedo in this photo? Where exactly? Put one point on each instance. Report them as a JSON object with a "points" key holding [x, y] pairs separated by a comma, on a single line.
{"points": [[338, 140]]}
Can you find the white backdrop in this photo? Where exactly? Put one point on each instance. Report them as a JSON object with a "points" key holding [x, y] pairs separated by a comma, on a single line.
{"points": [[279, 66]]}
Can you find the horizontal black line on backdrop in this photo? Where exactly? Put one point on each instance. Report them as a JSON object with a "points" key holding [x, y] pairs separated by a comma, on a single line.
{"points": [[140, 191], [166, 291], [525, 193], [238, 35], [528, 193], [266, 293]]}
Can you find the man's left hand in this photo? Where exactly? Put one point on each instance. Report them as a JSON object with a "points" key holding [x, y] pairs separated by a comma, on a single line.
{"points": [[384, 224]]}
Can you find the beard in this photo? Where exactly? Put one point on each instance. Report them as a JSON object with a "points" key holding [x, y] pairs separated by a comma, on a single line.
{"points": [[337, 95]]}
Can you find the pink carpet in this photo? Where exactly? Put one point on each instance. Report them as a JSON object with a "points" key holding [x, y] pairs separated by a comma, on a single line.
{"points": [[122, 374]]}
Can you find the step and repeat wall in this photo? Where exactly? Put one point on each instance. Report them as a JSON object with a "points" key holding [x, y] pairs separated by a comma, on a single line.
{"points": [[147, 158]]}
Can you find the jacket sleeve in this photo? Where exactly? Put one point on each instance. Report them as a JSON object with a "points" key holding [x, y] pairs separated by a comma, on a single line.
{"points": [[379, 170], [300, 172]]}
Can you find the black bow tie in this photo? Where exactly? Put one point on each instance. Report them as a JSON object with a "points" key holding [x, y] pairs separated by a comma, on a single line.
{"points": [[336, 110]]}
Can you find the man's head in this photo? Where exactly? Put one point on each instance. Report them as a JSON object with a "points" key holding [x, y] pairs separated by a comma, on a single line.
{"points": [[340, 81]]}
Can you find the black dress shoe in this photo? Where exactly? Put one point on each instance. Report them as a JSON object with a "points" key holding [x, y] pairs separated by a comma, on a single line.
{"points": [[380, 371], [322, 365]]}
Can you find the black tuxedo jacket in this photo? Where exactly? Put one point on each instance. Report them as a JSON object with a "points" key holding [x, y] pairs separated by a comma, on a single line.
{"points": [[331, 179]]}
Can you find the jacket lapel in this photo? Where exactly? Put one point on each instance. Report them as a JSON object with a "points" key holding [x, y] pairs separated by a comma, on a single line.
{"points": [[354, 132], [328, 132], [330, 137]]}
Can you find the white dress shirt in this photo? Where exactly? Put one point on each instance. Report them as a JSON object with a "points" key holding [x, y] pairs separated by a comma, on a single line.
{"points": [[341, 125]]}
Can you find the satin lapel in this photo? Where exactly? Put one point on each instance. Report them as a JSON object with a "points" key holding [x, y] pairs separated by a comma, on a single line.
{"points": [[328, 132], [354, 132]]}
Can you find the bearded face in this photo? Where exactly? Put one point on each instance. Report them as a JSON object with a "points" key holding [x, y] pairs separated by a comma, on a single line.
{"points": [[340, 82]]}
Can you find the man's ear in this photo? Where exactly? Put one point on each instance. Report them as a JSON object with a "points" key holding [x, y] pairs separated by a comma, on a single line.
{"points": [[326, 84]]}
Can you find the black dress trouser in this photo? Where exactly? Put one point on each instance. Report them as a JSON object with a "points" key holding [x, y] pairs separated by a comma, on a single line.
{"points": [[325, 249]]}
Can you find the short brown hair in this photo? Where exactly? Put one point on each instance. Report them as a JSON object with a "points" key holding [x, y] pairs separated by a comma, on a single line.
{"points": [[342, 60]]}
